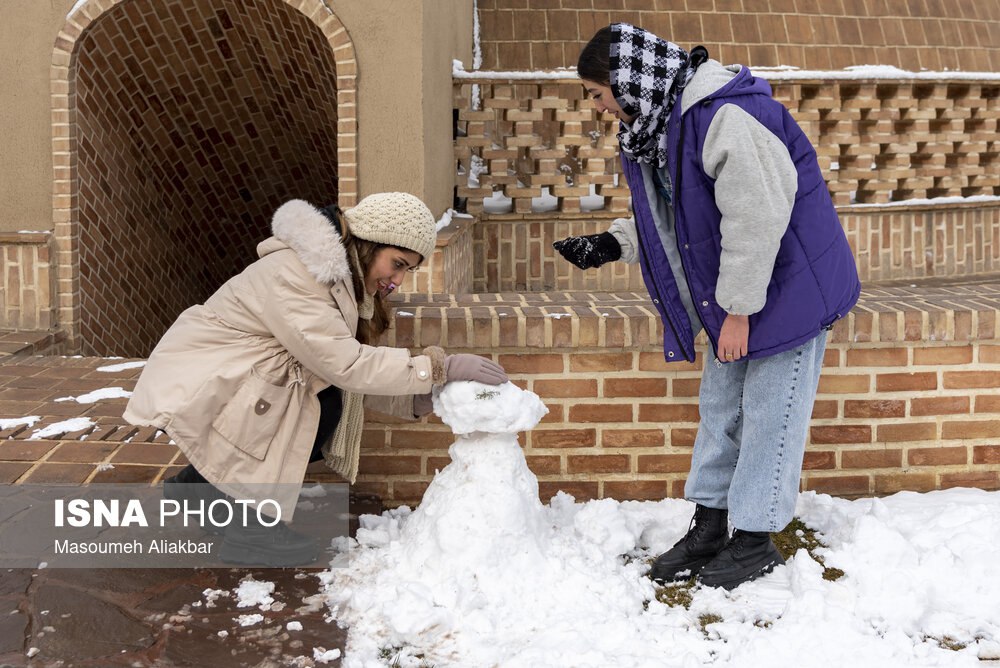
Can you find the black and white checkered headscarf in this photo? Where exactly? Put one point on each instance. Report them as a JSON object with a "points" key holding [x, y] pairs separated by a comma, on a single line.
{"points": [[647, 73]]}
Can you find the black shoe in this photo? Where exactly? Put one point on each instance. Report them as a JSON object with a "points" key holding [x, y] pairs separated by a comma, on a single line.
{"points": [[706, 535], [189, 486], [747, 556], [276, 545]]}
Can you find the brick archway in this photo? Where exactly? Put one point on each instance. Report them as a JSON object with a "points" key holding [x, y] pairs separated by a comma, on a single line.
{"points": [[176, 132]]}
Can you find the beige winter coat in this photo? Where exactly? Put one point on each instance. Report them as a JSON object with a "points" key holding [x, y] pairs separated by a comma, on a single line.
{"points": [[234, 381]]}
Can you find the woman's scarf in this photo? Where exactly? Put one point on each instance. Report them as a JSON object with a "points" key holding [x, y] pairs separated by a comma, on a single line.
{"points": [[366, 309], [647, 74], [343, 451]]}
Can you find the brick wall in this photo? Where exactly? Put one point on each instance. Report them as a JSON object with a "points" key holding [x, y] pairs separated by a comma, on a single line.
{"points": [[187, 114], [166, 115], [27, 286], [812, 34], [513, 252], [449, 268], [908, 398]]}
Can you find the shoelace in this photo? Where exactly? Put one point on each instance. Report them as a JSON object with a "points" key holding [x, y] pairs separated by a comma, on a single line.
{"points": [[696, 527], [736, 543]]}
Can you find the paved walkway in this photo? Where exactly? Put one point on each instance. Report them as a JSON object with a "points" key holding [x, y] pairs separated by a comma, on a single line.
{"points": [[145, 618], [92, 618]]}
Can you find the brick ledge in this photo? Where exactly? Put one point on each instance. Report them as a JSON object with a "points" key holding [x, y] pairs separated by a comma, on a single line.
{"points": [[948, 309]]}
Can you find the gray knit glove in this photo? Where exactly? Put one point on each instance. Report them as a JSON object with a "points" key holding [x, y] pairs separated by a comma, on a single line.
{"points": [[473, 367]]}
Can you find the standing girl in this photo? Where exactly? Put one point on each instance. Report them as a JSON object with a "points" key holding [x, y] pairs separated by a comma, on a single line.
{"points": [[736, 234]]}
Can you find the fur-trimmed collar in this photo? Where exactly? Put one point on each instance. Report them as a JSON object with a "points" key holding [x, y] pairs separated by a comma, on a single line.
{"points": [[314, 239]]}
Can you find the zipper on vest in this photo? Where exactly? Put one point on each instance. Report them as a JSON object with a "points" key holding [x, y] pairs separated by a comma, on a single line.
{"points": [[677, 238], [658, 296]]}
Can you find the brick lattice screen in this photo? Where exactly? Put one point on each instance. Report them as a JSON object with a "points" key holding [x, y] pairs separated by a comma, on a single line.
{"points": [[812, 34], [544, 148], [195, 121], [877, 141]]}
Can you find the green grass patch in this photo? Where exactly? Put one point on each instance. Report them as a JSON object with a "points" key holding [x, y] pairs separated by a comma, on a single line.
{"points": [[797, 536], [706, 619], [677, 594]]}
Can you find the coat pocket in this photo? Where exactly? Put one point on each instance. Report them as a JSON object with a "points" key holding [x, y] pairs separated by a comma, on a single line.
{"points": [[250, 420]]}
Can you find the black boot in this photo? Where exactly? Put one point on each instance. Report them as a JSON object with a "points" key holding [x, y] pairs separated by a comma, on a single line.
{"points": [[277, 546], [747, 556], [706, 535], [191, 487]]}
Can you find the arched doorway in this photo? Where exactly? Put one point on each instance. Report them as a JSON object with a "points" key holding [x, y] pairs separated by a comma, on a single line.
{"points": [[194, 120]]}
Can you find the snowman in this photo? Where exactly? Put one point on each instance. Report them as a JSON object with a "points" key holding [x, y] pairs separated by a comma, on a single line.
{"points": [[480, 521], [482, 561]]}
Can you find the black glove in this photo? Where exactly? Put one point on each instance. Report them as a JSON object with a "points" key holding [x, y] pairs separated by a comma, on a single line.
{"points": [[591, 250]]}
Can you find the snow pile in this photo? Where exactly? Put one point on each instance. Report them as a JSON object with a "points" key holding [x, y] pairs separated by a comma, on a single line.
{"points": [[251, 592], [919, 564], [249, 620], [482, 565], [323, 655], [483, 574]]}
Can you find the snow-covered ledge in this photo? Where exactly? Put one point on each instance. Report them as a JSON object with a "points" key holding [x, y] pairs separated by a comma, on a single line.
{"points": [[786, 73]]}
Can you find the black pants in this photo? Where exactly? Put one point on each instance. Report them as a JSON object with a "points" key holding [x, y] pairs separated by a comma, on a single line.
{"points": [[330, 409]]}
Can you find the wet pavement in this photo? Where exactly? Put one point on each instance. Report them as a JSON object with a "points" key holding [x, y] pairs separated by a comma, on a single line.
{"points": [[132, 617], [69, 617]]}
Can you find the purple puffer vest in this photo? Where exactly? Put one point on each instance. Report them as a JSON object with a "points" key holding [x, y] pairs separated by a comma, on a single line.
{"points": [[815, 280]]}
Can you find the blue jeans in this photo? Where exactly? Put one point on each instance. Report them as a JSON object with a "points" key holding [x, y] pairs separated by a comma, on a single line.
{"points": [[752, 436]]}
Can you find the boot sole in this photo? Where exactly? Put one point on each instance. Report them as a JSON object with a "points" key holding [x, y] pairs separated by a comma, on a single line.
{"points": [[692, 571], [729, 585]]}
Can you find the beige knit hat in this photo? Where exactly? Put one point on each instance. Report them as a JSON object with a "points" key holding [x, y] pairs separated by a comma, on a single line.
{"points": [[397, 219]]}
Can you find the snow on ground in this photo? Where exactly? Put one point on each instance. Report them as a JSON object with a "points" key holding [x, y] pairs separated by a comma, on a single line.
{"points": [[63, 427], [251, 592], [10, 423], [483, 574], [124, 366], [98, 395]]}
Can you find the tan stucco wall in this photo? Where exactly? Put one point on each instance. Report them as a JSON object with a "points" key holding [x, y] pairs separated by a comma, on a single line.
{"points": [[448, 36], [404, 50], [404, 91], [27, 31]]}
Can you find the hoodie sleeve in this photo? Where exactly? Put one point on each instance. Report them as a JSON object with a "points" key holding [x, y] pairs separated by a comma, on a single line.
{"points": [[624, 232], [755, 186]]}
